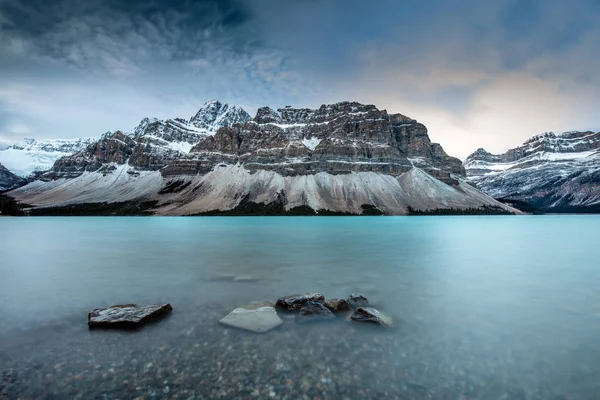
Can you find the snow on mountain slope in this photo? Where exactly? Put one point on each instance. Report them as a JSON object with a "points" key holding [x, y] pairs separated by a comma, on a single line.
{"points": [[552, 172], [226, 186], [123, 183], [31, 155]]}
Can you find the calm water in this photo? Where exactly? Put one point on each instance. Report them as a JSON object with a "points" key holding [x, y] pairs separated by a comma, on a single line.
{"points": [[486, 307]]}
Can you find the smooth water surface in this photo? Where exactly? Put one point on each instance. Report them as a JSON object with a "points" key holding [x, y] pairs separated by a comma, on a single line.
{"points": [[485, 307]]}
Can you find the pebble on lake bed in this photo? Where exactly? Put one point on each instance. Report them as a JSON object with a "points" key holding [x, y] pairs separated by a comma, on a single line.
{"points": [[256, 318], [126, 315]]}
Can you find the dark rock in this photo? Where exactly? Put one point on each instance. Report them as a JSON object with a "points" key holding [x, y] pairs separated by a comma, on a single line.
{"points": [[312, 311], [126, 315], [371, 315], [357, 300], [9, 180], [337, 305], [296, 301]]}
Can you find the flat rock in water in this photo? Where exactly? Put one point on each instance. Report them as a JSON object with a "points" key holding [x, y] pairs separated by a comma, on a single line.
{"points": [[256, 318], [371, 315], [358, 300], [126, 315], [312, 311], [337, 305], [296, 301]]}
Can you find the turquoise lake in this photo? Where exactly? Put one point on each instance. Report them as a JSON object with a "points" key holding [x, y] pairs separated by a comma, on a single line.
{"points": [[498, 307]]}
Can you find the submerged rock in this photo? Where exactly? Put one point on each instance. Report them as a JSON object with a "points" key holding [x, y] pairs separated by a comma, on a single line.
{"points": [[244, 278], [224, 277], [256, 318], [337, 305], [312, 311], [126, 315], [358, 300], [230, 277], [371, 315], [296, 301]]}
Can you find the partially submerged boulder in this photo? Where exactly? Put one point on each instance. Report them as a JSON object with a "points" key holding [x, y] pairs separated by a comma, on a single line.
{"points": [[296, 301], [313, 311], [337, 305], [256, 318], [358, 300], [126, 315], [371, 315]]}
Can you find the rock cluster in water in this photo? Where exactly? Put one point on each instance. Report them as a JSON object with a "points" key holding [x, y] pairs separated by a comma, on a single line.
{"points": [[311, 307], [261, 317]]}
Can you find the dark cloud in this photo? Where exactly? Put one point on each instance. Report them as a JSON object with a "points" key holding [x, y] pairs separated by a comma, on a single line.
{"points": [[119, 36]]}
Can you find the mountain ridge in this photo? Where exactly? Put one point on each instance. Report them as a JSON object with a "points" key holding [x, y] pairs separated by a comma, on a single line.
{"points": [[553, 172], [339, 157]]}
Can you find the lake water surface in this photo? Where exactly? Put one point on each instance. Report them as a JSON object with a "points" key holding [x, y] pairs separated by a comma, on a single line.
{"points": [[485, 307]]}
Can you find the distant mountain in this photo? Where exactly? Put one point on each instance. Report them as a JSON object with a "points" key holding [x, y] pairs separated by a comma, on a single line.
{"points": [[553, 172], [32, 155], [340, 158], [9, 180]]}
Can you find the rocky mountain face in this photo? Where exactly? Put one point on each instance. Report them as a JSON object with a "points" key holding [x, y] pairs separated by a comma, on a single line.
{"points": [[32, 155], [339, 138], [553, 172], [338, 158], [150, 146], [9, 180]]}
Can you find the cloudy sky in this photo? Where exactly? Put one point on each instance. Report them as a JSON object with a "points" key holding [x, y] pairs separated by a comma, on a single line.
{"points": [[477, 73]]}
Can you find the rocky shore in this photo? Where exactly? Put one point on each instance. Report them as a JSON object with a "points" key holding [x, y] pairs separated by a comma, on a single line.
{"points": [[191, 356]]}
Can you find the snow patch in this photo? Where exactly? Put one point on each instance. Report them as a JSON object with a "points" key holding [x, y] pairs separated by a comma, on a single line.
{"points": [[311, 143]]}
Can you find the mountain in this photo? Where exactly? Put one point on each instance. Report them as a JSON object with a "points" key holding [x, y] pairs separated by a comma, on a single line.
{"points": [[343, 158], [32, 155], [553, 172], [8, 179]]}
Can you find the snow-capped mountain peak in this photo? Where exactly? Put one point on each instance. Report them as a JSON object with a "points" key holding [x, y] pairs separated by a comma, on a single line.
{"points": [[179, 134], [215, 114]]}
